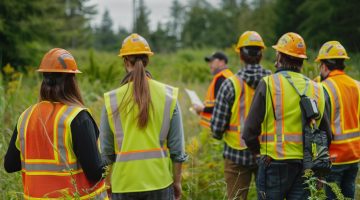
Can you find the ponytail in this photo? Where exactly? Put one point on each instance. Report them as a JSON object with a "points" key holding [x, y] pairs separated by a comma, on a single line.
{"points": [[141, 91]]}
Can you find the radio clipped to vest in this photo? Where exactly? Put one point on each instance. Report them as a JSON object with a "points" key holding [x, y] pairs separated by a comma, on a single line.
{"points": [[315, 146], [309, 107]]}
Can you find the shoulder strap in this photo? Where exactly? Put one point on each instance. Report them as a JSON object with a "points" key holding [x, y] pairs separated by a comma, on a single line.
{"points": [[288, 77]]}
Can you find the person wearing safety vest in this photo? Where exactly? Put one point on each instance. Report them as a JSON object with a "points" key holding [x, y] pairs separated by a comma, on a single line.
{"points": [[218, 67], [142, 134], [344, 95], [231, 109], [273, 127], [55, 141]]}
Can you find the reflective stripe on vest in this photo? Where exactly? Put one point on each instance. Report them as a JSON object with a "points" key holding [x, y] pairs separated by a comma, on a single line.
{"points": [[142, 161], [279, 123], [61, 163], [336, 113], [101, 194], [345, 117], [241, 106], [58, 167], [210, 98], [141, 155], [281, 136]]}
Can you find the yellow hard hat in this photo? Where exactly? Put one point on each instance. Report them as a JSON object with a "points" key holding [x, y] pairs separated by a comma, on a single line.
{"points": [[60, 61], [291, 44], [135, 44], [249, 38], [332, 50]]}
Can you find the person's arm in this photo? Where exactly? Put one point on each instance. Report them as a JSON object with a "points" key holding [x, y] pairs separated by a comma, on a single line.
{"points": [[222, 111], [252, 128], [175, 138], [176, 145], [107, 146], [84, 135], [12, 160], [106, 139], [177, 170], [325, 121]]}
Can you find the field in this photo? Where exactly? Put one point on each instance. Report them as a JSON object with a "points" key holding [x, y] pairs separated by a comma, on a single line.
{"points": [[203, 172]]}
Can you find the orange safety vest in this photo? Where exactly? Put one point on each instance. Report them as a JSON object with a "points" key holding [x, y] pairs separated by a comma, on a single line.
{"points": [[50, 168], [239, 112], [210, 97], [345, 116]]}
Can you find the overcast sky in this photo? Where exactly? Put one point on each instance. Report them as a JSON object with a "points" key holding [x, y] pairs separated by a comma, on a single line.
{"points": [[121, 11]]}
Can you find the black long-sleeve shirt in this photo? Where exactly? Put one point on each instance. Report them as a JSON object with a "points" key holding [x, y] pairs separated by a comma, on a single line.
{"points": [[256, 116], [84, 136]]}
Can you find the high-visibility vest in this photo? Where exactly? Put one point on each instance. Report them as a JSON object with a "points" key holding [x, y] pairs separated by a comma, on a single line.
{"points": [[281, 137], [239, 111], [345, 116], [142, 158], [210, 98], [50, 168]]}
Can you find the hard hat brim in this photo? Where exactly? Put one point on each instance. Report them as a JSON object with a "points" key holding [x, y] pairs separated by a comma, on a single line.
{"points": [[289, 53], [318, 59], [237, 49], [149, 53], [60, 71]]}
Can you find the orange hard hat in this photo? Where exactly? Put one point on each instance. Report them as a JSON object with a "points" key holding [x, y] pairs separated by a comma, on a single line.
{"points": [[58, 60], [291, 44]]}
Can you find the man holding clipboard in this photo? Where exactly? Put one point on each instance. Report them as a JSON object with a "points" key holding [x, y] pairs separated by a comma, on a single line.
{"points": [[218, 67]]}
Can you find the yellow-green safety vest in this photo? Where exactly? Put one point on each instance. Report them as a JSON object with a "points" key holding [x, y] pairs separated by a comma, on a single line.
{"points": [[282, 137], [142, 158], [239, 111]]}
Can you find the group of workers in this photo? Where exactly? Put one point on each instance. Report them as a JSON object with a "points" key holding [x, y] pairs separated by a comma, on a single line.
{"points": [[56, 141], [258, 114]]}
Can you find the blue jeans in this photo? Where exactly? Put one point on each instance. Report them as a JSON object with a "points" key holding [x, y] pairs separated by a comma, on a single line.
{"points": [[281, 180], [344, 176]]}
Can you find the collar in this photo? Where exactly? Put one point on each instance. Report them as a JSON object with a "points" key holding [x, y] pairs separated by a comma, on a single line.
{"points": [[252, 66], [286, 69], [220, 70], [336, 72]]}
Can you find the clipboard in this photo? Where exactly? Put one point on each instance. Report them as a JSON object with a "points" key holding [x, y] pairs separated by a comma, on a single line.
{"points": [[194, 98]]}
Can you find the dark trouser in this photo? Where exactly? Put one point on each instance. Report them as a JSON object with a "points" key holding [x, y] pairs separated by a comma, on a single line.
{"points": [[344, 176], [238, 178], [281, 180], [163, 194]]}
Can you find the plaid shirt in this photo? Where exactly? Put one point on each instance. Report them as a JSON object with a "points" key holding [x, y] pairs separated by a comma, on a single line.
{"points": [[251, 74]]}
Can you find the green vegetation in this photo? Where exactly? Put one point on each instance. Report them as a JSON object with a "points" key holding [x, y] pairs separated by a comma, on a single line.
{"points": [[28, 29], [203, 173]]}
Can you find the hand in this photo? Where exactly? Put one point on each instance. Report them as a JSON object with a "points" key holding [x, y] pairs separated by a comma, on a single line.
{"points": [[177, 191], [198, 108]]}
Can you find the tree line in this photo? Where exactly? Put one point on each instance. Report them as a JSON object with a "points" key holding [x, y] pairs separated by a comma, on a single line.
{"points": [[30, 27]]}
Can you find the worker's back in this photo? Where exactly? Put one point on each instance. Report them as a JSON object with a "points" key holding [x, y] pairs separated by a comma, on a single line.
{"points": [[281, 136], [49, 164], [142, 160], [345, 117]]}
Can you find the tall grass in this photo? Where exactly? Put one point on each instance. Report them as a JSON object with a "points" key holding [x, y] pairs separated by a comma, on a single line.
{"points": [[203, 173]]}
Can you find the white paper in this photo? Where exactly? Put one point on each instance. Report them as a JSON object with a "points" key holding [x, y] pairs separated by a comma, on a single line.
{"points": [[194, 98]]}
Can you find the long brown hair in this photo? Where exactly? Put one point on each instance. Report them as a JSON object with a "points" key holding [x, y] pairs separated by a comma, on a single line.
{"points": [[141, 91], [61, 87]]}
